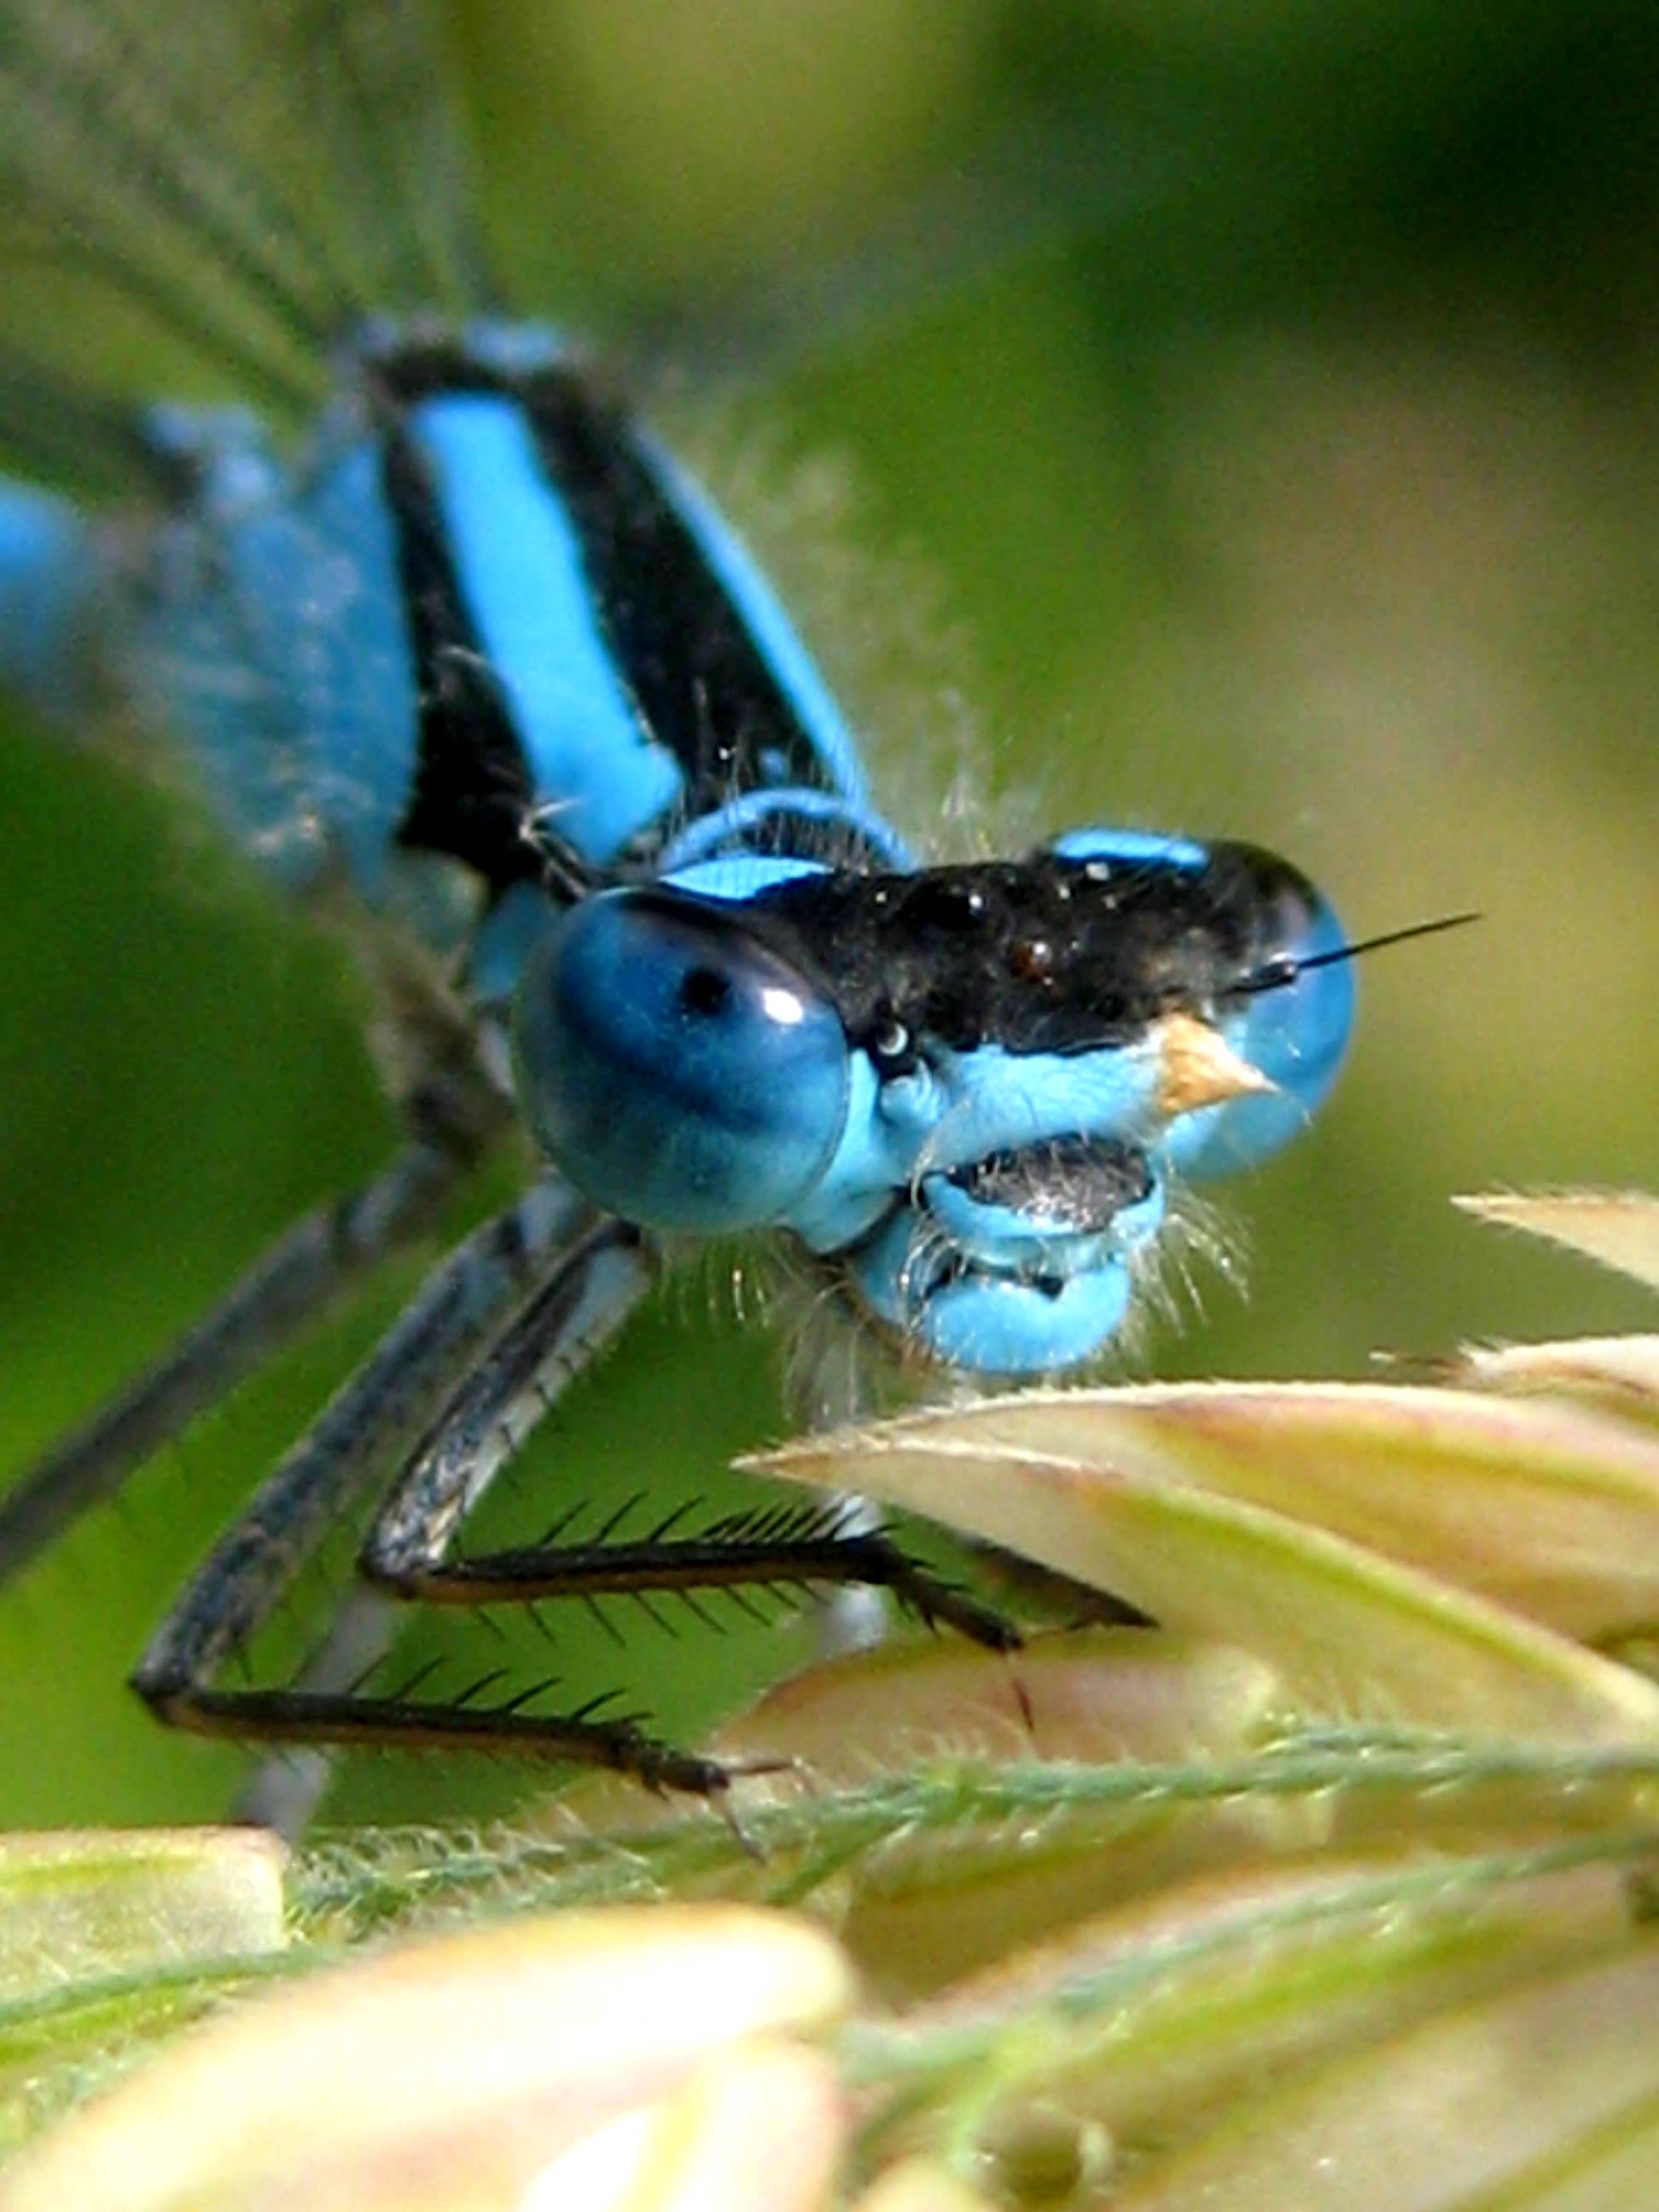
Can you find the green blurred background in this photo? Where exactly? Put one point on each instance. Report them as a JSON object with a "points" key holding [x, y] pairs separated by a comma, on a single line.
{"points": [[1285, 465]]}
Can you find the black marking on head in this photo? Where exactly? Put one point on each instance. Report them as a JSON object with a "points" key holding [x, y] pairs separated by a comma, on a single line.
{"points": [[472, 795], [1040, 955]]}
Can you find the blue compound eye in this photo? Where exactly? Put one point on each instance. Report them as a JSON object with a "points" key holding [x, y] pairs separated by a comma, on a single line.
{"points": [[679, 1071], [1289, 1013]]}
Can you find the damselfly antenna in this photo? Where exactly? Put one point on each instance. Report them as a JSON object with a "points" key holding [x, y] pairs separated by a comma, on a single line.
{"points": [[1285, 968]]}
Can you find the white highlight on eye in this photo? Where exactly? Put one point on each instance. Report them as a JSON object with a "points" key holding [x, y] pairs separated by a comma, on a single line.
{"points": [[785, 1007]]}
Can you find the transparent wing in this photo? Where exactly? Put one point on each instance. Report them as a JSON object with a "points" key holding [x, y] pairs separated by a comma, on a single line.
{"points": [[225, 189]]}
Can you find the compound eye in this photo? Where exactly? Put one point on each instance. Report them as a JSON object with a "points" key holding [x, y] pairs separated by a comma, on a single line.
{"points": [[679, 1071], [1291, 1015]]}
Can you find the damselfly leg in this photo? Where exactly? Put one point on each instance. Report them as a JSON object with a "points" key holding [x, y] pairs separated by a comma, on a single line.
{"points": [[573, 1280]]}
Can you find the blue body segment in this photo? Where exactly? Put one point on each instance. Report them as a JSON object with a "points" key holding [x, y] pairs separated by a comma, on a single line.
{"points": [[44, 565], [479, 615], [996, 1321], [267, 635]]}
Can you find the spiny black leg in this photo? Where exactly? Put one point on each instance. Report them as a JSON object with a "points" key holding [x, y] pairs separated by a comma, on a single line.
{"points": [[822, 1548], [576, 1303], [293, 1281], [336, 1719], [585, 1301], [379, 1412], [407, 1549], [283, 1790], [500, 1403], [592, 1285]]}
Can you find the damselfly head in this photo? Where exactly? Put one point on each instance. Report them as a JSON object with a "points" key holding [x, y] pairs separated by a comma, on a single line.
{"points": [[966, 1089]]}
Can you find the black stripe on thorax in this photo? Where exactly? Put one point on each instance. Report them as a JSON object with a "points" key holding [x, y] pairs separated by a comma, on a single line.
{"points": [[470, 794]]}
